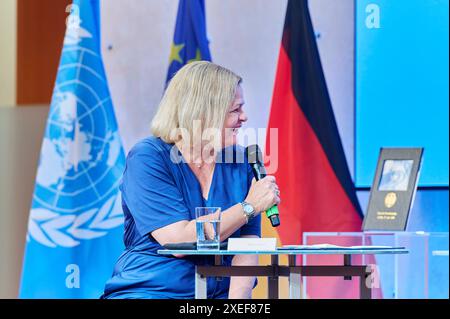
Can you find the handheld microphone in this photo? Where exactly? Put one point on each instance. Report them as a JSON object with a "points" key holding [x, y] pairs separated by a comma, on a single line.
{"points": [[255, 160]]}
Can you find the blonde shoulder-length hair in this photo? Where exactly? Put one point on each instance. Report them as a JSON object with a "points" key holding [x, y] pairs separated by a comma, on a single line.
{"points": [[199, 92]]}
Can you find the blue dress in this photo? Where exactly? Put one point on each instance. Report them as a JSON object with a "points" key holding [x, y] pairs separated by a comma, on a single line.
{"points": [[157, 190]]}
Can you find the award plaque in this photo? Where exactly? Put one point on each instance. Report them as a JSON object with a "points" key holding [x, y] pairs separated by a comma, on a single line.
{"points": [[393, 189]]}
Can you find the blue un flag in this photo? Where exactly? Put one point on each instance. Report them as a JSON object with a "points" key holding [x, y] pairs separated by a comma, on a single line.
{"points": [[190, 42], [76, 224]]}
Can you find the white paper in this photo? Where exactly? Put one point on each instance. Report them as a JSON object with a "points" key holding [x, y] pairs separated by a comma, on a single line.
{"points": [[252, 244], [330, 246]]}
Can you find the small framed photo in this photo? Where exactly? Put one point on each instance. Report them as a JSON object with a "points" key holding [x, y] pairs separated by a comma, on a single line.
{"points": [[393, 189], [395, 175]]}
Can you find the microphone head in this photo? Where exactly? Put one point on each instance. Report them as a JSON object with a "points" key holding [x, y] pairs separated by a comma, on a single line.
{"points": [[254, 154]]}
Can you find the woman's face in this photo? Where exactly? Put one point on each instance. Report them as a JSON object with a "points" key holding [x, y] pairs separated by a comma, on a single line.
{"points": [[234, 119]]}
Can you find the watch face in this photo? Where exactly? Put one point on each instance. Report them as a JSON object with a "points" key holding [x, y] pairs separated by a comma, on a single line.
{"points": [[248, 208]]}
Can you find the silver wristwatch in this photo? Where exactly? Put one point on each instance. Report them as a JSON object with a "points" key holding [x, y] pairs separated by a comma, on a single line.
{"points": [[249, 210]]}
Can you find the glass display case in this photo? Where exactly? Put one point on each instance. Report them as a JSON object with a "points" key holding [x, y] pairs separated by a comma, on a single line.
{"points": [[421, 274]]}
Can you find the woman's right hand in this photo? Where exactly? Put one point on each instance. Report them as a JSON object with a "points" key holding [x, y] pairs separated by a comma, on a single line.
{"points": [[263, 194]]}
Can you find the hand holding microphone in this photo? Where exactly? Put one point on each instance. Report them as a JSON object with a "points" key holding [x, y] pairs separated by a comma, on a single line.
{"points": [[264, 194]]}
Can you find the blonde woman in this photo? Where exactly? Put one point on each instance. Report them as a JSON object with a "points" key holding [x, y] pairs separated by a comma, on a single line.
{"points": [[182, 167]]}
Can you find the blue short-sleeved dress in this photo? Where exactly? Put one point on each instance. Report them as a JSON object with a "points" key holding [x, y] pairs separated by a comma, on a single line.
{"points": [[157, 190]]}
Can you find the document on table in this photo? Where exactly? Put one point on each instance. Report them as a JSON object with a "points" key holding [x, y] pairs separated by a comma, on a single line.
{"points": [[333, 247]]}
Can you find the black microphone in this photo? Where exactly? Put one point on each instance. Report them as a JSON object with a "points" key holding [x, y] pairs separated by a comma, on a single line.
{"points": [[255, 160]]}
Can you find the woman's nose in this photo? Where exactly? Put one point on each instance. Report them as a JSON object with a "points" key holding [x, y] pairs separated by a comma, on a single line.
{"points": [[243, 117]]}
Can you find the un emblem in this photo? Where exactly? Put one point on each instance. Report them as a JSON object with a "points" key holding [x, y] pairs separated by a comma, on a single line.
{"points": [[76, 194]]}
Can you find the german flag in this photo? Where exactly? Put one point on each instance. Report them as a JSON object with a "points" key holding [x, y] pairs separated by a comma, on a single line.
{"points": [[317, 192]]}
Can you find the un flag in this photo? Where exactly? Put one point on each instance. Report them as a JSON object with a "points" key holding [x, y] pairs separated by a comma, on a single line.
{"points": [[75, 225]]}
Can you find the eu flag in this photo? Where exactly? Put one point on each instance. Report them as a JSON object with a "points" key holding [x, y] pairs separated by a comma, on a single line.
{"points": [[190, 42], [75, 225]]}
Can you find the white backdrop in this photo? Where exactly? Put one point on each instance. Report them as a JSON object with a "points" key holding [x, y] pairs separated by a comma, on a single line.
{"points": [[244, 36]]}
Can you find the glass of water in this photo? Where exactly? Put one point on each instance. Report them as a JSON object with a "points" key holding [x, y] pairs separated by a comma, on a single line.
{"points": [[208, 227]]}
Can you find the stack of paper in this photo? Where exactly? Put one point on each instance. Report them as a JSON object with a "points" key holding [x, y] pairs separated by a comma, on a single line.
{"points": [[330, 246]]}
